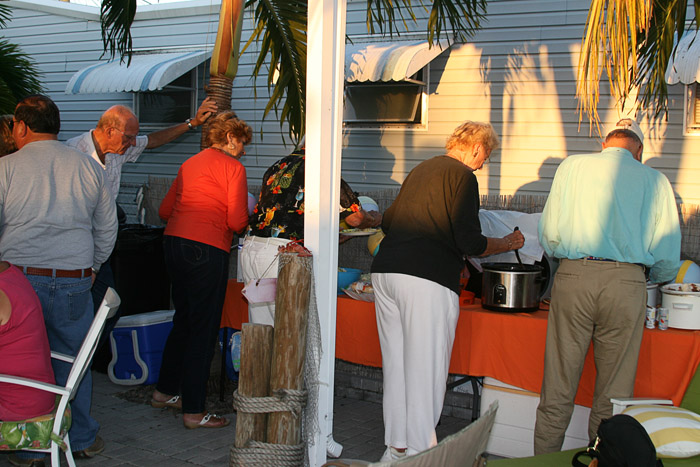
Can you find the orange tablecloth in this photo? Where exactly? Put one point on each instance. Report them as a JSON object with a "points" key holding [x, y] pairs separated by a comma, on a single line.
{"points": [[506, 346], [510, 348], [235, 306]]}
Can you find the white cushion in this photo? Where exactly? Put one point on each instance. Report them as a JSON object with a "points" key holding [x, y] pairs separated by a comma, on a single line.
{"points": [[674, 431]]}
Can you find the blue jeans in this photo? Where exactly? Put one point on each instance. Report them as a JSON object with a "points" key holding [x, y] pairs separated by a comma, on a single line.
{"points": [[68, 314], [199, 274], [103, 281]]}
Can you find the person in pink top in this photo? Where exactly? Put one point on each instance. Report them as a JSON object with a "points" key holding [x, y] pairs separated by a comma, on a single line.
{"points": [[24, 348], [206, 204]]}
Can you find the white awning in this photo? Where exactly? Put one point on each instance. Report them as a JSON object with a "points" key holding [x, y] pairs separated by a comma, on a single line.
{"points": [[389, 61], [147, 72], [684, 66]]}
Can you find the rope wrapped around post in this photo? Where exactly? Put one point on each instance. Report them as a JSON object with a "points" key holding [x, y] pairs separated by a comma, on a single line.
{"points": [[261, 454], [256, 453], [283, 400]]}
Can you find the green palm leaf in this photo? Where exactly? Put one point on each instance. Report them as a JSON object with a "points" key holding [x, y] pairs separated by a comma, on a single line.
{"points": [[4, 15], [633, 41], [116, 17], [19, 76], [280, 29], [458, 17]]}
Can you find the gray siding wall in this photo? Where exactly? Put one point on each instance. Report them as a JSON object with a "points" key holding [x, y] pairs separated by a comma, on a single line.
{"points": [[518, 72]]}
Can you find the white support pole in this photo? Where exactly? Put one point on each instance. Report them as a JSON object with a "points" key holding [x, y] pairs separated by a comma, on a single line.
{"points": [[324, 92]]}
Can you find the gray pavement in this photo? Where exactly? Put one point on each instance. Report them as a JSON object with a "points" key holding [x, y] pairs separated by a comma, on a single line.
{"points": [[137, 434]]}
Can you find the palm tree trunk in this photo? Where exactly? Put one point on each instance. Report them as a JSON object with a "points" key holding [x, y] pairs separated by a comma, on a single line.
{"points": [[220, 89], [224, 59]]}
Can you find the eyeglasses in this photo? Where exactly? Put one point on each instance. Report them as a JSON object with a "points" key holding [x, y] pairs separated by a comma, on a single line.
{"points": [[128, 137]]}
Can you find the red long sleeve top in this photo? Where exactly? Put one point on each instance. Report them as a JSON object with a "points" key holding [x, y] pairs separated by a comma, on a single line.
{"points": [[208, 201]]}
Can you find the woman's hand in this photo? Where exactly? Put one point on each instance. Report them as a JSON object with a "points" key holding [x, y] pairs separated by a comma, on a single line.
{"points": [[495, 245], [514, 240], [364, 219]]}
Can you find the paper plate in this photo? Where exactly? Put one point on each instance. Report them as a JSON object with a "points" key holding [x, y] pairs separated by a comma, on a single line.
{"points": [[365, 297], [359, 232]]}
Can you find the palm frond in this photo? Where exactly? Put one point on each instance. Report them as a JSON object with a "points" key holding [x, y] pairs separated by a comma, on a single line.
{"points": [[5, 14], [633, 40], [461, 18], [654, 53], [117, 17], [19, 76], [280, 29]]}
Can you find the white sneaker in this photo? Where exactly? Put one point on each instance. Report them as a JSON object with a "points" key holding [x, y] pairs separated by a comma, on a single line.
{"points": [[392, 454]]}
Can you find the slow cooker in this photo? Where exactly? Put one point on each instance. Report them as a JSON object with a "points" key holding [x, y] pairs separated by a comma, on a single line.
{"points": [[511, 287], [683, 303]]}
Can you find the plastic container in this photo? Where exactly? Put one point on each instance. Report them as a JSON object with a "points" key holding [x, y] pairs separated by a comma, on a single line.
{"points": [[137, 343], [347, 276], [232, 353], [683, 304]]}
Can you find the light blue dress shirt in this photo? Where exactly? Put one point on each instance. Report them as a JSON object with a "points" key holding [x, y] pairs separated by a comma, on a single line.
{"points": [[609, 205]]}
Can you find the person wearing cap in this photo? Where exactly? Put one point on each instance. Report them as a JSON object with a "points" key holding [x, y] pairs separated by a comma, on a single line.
{"points": [[607, 218]]}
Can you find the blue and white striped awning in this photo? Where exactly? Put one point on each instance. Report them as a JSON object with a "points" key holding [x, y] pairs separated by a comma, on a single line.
{"points": [[147, 72], [389, 61]]}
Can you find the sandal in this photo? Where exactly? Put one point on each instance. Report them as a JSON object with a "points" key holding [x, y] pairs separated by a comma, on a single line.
{"points": [[210, 420], [172, 403]]}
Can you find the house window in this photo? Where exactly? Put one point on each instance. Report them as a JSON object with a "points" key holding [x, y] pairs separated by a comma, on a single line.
{"points": [[173, 104], [692, 109], [379, 104]]}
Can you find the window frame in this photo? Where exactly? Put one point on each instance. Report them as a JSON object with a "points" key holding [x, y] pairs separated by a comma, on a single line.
{"points": [[691, 110], [384, 125], [194, 99]]}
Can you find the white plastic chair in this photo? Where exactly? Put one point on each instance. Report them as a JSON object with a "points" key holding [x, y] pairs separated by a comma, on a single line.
{"points": [[81, 363]]}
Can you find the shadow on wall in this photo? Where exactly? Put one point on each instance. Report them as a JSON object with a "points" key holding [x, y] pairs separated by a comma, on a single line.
{"points": [[355, 254], [545, 174]]}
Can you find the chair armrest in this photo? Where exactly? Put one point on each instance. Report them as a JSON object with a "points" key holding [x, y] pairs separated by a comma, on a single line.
{"points": [[63, 357], [619, 404], [34, 384]]}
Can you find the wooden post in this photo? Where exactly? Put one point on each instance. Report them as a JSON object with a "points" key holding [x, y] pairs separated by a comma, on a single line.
{"points": [[254, 380], [289, 348]]}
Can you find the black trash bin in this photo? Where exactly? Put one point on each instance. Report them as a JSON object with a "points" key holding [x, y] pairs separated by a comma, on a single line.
{"points": [[139, 271], [140, 277]]}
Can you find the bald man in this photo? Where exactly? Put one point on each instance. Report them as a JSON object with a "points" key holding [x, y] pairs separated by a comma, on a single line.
{"points": [[112, 143], [115, 140]]}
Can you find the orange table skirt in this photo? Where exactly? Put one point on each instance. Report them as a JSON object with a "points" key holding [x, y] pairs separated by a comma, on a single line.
{"points": [[508, 347]]}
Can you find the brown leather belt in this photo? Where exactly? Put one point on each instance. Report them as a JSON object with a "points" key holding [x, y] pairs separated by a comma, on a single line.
{"points": [[74, 273]]}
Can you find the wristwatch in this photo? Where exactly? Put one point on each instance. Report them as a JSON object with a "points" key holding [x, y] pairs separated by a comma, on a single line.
{"points": [[189, 124]]}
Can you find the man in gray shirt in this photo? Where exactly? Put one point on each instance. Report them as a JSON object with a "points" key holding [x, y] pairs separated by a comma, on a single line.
{"points": [[58, 224]]}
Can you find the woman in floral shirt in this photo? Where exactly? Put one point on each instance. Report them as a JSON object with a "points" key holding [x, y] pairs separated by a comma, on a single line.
{"points": [[279, 218]]}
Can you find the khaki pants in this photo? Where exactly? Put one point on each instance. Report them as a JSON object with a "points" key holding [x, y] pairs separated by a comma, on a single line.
{"points": [[600, 301]]}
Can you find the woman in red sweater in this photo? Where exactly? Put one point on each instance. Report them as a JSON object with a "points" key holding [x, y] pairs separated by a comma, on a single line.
{"points": [[206, 204]]}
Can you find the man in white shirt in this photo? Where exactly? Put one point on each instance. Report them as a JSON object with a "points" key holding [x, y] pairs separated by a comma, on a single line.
{"points": [[115, 140]]}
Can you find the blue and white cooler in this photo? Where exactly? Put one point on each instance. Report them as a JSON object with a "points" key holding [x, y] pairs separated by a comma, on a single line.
{"points": [[137, 344]]}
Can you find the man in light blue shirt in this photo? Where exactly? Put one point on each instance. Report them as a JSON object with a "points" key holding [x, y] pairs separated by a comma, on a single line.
{"points": [[607, 217]]}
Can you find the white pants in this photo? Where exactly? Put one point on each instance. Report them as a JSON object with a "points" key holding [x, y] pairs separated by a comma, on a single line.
{"points": [[416, 319], [259, 261]]}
